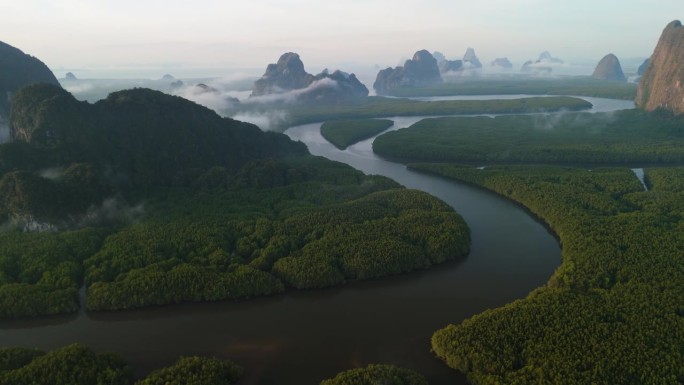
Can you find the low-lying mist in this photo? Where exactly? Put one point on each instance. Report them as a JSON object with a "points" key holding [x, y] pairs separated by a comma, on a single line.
{"points": [[221, 94]]}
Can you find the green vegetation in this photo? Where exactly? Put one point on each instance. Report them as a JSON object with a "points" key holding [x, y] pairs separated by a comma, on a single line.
{"points": [[134, 139], [331, 226], [17, 70], [76, 364], [612, 313], [344, 133], [377, 375], [195, 371], [622, 137], [148, 199], [40, 273], [73, 364], [580, 86], [378, 107]]}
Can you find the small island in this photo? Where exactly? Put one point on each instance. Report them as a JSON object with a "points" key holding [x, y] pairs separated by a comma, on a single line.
{"points": [[344, 133]]}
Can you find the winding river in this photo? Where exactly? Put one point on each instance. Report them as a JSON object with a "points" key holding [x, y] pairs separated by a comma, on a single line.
{"points": [[303, 337]]}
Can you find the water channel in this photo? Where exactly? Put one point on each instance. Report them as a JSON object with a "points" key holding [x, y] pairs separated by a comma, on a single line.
{"points": [[303, 337]]}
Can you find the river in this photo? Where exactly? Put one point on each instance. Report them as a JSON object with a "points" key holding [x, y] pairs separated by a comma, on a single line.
{"points": [[304, 337]]}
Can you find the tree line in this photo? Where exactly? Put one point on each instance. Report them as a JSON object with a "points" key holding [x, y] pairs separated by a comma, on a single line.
{"points": [[612, 312], [623, 137]]}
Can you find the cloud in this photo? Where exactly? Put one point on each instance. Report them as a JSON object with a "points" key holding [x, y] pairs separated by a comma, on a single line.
{"points": [[266, 120], [293, 95], [112, 210], [78, 88], [207, 96], [53, 173]]}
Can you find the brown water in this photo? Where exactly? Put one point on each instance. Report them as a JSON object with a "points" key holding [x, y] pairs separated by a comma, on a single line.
{"points": [[303, 337]]}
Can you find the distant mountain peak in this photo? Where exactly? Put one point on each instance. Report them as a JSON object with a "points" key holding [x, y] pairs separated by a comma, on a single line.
{"points": [[609, 68]]}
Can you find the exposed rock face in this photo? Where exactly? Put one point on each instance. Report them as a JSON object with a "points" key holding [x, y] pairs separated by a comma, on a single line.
{"points": [[642, 68], [470, 59], [289, 78], [445, 65], [70, 76], [450, 66], [502, 62], [388, 79], [609, 68], [662, 85], [286, 75], [338, 86], [18, 70], [421, 70]]}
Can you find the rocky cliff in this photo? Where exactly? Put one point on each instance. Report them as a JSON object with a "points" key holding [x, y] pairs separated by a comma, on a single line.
{"points": [[470, 60], [70, 76], [421, 70], [285, 75], [642, 68], [289, 79], [17, 70], [501, 63], [446, 65], [609, 68], [662, 85], [333, 87]]}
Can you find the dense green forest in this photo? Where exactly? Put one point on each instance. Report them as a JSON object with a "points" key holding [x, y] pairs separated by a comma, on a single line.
{"points": [[377, 375], [580, 86], [73, 364], [344, 133], [76, 364], [379, 107], [149, 199], [612, 313], [333, 225], [195, 371], [622, 137]]}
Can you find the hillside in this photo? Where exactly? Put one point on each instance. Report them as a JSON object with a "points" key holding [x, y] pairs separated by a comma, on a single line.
{"points": [[149, 199], [17, 70], [662, 85]]}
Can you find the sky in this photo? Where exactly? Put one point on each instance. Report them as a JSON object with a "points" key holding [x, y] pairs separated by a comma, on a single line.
{"points": [[148, 38]]}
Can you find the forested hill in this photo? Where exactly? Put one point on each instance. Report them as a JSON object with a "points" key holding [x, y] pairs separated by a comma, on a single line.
{"points": [[149, 199], [142, 136], [66, 156], [17, 70]]}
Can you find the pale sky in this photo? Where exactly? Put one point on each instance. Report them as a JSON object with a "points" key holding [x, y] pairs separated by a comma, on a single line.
{"points": [[143, 36]]}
